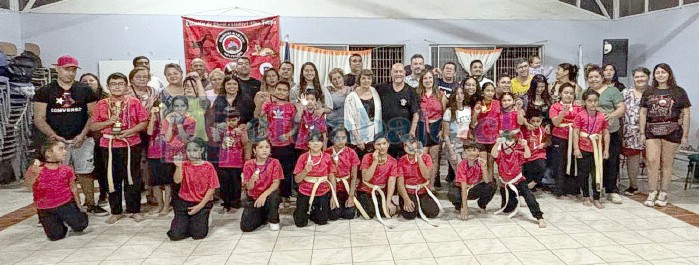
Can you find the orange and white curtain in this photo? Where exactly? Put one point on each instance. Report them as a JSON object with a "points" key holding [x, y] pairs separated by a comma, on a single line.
{"points": [[488, 57], [325, 60]]}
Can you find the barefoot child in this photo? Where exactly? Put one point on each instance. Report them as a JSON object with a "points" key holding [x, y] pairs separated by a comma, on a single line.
{"points": [[472, 181], [56, 195], [563, 165], [414, 171], [347, 163], [378, 184], [233, 149], [486, 123], [178, 128], [537, 139], [160, 173], [590, 146], [261, 178], [315, 175], [198, 182]]}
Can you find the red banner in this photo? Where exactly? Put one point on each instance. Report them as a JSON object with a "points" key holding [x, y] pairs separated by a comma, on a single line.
{"points": [[219, 43]]}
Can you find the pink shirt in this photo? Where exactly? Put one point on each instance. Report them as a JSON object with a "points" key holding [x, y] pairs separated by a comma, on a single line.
{"points": [[469, 174], [510, 165], [197, 180], [176, 145], [487, 129], [410, 172], [230, 155], [156, 141], [347, 158], [132, 113], [431, 107], [269, 172], [280, 121], [323, 166], [554, 111], [306, 124], [534, 139], [52, 187], [590, 125], [508, 120], [382, 172]]}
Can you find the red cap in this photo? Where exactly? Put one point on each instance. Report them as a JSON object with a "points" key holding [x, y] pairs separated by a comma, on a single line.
{"points": [[67, 61]]}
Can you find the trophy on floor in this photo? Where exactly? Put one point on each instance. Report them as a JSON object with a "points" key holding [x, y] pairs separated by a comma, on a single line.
{"points": [[115, 108]]}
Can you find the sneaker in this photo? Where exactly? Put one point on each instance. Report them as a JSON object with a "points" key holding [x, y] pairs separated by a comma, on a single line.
{"points": [[650, 201], [598, 204], [274, 227], [97, 211], [114, 218], [102, 202], [138, 217], [630, 191], [662, 199], [614, 198]]}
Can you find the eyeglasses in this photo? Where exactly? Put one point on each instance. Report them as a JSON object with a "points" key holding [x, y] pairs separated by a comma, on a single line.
{"points": [[141, 77], [120, 84]]}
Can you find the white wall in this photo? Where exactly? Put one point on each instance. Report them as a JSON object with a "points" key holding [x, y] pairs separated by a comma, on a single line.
{"points": [[10, 28]]}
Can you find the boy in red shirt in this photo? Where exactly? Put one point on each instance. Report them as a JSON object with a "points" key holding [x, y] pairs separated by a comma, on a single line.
{"points": [[590, 146], [56, 195], [347, 163], [261, 177], [306, 119], [234, 149], [414, 171], [198, 182], [472, 181], [315, 175], [378, 182], [537, 139]]}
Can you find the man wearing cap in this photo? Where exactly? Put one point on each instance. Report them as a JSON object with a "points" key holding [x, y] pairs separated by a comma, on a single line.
{"points": [[62, 111]]}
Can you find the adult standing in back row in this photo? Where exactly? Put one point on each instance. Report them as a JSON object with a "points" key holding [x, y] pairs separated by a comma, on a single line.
{"points": [[248, 84], [62, 111]]}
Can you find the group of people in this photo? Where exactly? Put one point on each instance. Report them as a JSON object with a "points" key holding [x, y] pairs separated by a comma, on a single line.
{"points": [[344, 150]]}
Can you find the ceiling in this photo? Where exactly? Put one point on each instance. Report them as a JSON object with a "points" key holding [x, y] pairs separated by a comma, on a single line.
{"points": [[399, 9]]}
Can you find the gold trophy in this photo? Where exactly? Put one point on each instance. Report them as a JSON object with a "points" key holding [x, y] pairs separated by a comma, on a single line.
{"points": [[115, 108]]}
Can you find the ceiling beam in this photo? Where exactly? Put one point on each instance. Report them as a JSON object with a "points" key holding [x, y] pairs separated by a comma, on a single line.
{"points": [[29, 5], [604, 10]]}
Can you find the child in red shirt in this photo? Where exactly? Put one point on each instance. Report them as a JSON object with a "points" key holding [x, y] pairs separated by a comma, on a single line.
{"points": [[510, 158], [56, 195], [279, 114], [261, 178], [160, 173], [485, 122], [347, 163], [534, 167], [471, 181], [414, 171], [315, 175], [562, 162], [590, 125], [198, 182], [378, 183], [307, 120], [233, 150], [178, 128]]}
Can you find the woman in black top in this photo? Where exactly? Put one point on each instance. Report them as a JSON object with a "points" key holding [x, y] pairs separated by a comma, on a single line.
{"points": [[229, 96]]}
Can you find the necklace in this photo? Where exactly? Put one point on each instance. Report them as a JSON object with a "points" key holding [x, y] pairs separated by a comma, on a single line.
{"points": [[486, 107], [257, 167], [594, 122], [310, 158], [336, 154], [410, 161]]}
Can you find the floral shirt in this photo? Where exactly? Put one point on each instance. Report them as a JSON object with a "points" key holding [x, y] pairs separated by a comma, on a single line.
{"points": [[632, 130]]}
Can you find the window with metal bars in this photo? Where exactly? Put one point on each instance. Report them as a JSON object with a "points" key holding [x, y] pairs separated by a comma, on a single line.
{"points": [[506, 63], [382, 57]]}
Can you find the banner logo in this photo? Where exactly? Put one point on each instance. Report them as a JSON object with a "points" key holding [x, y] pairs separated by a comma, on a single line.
{"points": [[231, 44]]}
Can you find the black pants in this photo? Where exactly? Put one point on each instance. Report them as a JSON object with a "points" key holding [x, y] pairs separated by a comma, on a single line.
{"points": [[341, 211], [185, 225], [287, 157], [484, 192], [230, 186], [451, 174], [428, 205], [534, 170], [368, 205], [586, 175], [320, 210], [100, 170], [253, 218], [131, 192], [528, 197], [611, 165], [54, 220], [565, 184]]}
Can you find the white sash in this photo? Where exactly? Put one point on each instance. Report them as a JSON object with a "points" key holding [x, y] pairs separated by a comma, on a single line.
{"points": [[316, 183], [110, 178], [569, 155], [374, 190], [511, 185], [597, 151], [417, 188]]}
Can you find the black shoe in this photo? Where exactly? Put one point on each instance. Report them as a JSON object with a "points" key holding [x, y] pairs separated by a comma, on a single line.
{"points": [[630, 191], [437, 183], [97, 211], [236, 205]]}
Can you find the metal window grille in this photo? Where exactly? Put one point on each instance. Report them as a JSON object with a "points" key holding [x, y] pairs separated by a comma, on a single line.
{"points": [[382, 57], [506, 62]]}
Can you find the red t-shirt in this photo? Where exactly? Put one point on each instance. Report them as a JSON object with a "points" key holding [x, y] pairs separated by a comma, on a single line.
{"points": [[280, 118], [196, 180], [382, 172], [510, 165], [230, 155], [156, 141], [306, 124], [132, 113], [52, 187], [534, 139], [347, 158], [410, 172], [269, 172], [508, 120], [323, 166], [176, 145], [469, 174], [554, 111], [590, 125], [488, 126], [431, 107]]}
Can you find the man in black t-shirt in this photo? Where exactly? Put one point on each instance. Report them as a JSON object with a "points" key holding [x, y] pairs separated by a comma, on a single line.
{"points": [[447, 81], [248, 84], [62, 111], [355, 62], [399, 109]]}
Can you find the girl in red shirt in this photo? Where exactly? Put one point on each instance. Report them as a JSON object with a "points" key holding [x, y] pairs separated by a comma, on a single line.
{"points": [[485, 123], [510, 154], [315, 175], [198, 182], [261, 178], [378, 182], [347, 164], [160, 172], [590, 146], [414, 170], [234, 149], [56, 194], [432, 104], [307, 119], [471, 182], [563, 164], [537, 139]]}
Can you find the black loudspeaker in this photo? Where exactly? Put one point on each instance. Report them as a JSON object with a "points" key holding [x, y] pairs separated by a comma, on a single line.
{"points": [[616, 51]]}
